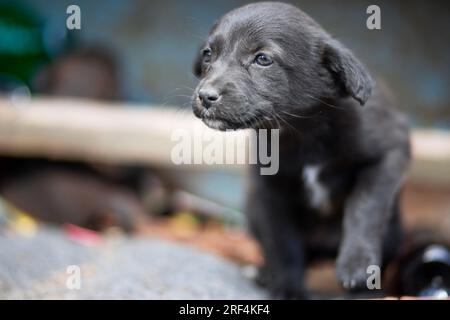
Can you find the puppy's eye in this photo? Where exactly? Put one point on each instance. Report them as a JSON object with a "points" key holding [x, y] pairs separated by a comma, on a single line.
{"points": [[206, 53], [263, 60]]}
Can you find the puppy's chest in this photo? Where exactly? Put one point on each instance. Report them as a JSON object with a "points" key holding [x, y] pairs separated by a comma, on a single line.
{"points": [[315, 192], [323, 176], [323, 189]]}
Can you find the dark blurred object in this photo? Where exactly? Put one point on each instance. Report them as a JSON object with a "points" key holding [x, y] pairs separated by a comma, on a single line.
{"points": [[83, 72], [58, 192], [423, 268], [436, 271]]}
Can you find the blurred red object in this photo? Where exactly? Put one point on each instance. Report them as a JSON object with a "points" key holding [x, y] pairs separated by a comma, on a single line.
{"points": [[81, 235]]}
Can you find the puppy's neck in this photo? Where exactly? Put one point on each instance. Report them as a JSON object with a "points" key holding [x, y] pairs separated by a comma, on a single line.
{"points": [[321, 120]]}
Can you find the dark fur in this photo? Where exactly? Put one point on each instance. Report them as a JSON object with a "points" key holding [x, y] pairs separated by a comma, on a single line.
{"points": [[331, 114]]}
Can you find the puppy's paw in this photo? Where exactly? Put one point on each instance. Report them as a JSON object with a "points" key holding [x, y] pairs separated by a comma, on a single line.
{"points": [[351, 267], [282, 285]]}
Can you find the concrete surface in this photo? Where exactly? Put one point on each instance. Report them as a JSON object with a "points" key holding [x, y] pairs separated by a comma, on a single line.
{"points": [[117, 268]]}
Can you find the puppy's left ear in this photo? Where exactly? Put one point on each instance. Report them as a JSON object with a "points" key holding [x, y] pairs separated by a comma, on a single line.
{"points": [[350, 74]]}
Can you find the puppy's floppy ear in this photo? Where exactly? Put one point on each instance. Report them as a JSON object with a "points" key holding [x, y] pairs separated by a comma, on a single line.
{"points": [[350, 74], [197, 68]]}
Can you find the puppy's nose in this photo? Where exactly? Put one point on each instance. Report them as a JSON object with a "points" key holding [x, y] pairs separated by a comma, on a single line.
{"points": [[208, 96]]}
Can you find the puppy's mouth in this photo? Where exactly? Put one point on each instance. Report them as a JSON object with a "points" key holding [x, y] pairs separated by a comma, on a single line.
{"points": [[225, 124], [221, 123], [222, 117], [215, 124]]}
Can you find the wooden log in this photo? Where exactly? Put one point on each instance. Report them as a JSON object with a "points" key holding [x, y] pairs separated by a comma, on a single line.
{"points": [[78, 129], [86, 130]]}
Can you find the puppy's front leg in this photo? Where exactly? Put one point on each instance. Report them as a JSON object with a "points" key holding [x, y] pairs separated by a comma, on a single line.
{"points": [[269, 213], [367, 212]]}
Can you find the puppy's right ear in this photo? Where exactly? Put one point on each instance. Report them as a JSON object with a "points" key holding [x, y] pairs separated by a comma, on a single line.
{"points": [[197, 68]]}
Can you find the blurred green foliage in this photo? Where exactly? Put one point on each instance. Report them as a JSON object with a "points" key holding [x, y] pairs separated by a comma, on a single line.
{"points": [[22, 49]]}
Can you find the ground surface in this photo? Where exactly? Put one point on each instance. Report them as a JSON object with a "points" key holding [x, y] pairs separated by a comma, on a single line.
{"points": [[117, 268]]}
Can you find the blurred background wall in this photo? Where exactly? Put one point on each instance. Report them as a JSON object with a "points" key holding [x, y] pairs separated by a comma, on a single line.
{"points": [[155, 42]]}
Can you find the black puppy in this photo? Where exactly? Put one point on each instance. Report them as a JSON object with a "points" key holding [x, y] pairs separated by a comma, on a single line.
{"points": [[341, 163]]}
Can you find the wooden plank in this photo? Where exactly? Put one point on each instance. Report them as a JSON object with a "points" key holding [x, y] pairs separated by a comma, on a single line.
{"points": [[78, 129], [431, 157]]}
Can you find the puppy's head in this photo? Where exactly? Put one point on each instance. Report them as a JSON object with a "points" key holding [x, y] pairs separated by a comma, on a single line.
{"points": [[267, 61]]}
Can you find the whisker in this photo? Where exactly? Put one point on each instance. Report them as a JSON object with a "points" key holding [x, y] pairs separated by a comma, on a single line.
{"points": [[288, 124], [298, 116], [326, 103]]}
